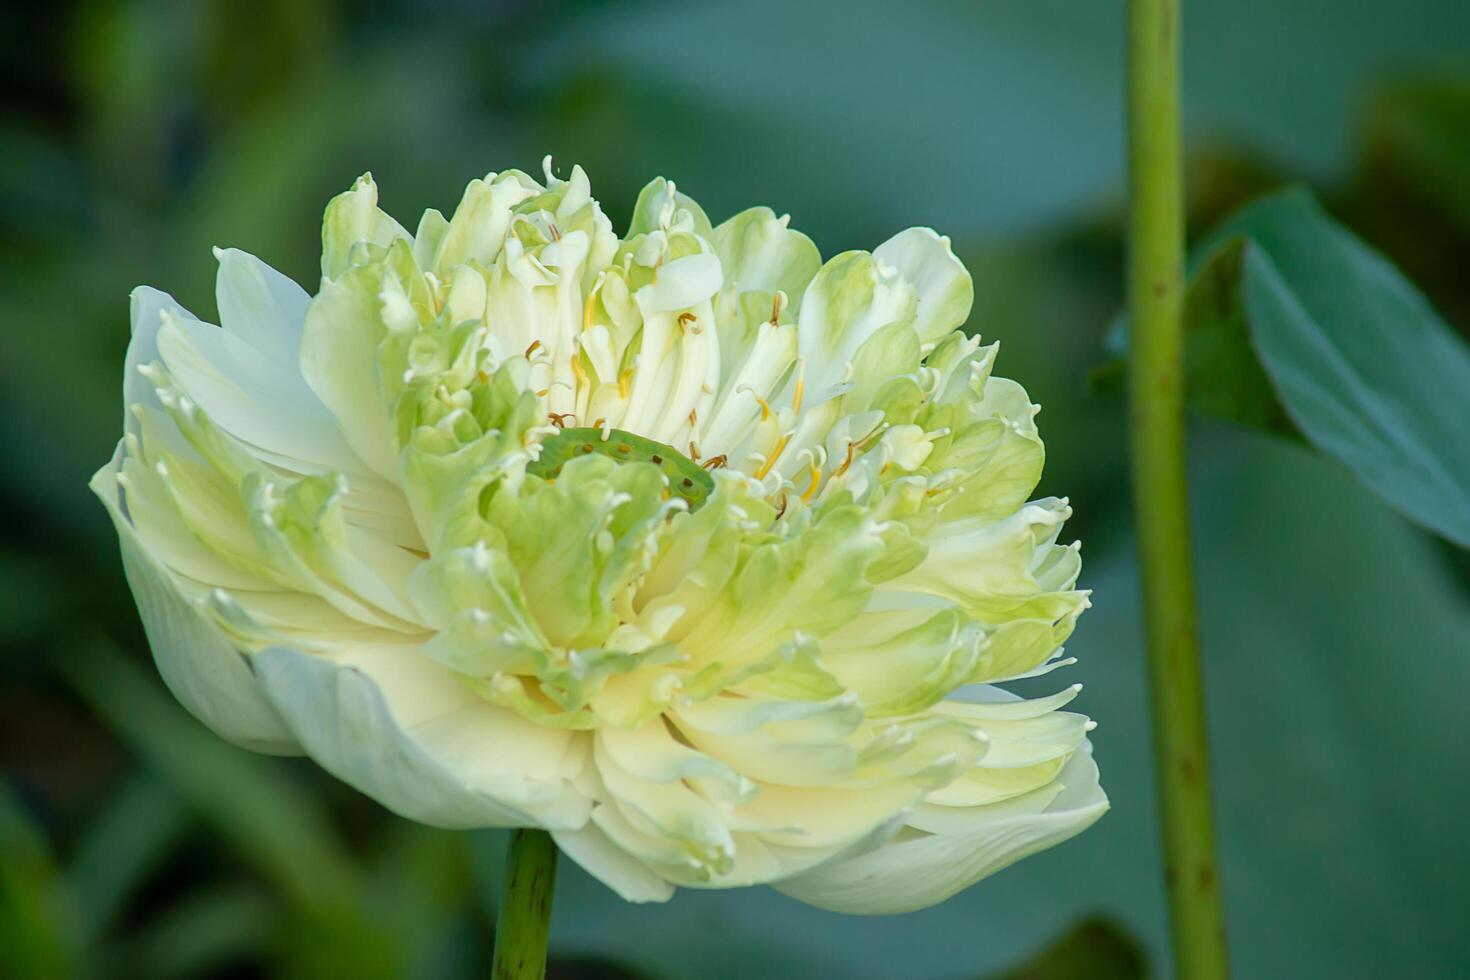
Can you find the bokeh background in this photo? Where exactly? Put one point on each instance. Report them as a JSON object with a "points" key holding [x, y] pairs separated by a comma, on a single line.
{"points": [[135, 134]]}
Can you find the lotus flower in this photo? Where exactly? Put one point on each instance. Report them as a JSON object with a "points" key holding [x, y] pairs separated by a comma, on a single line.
{"points": [[688, 547]]}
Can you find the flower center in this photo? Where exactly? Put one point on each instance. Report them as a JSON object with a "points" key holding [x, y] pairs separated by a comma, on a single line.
{"points": [[686, 478]]}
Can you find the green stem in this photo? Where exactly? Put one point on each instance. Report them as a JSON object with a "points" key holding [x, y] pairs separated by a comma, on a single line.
{"points": [[525, 908], [1155, 297]]}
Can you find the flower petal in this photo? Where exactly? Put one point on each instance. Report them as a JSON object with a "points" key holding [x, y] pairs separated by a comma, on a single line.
{"points": [[437, 754], [208, 675], [916, 870], [633, 880], [945, 289], [260, 306]]}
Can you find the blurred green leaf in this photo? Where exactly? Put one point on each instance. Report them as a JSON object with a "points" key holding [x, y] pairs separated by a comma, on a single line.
{"points": [[1095, 950], [1292, 323], [200, 934], [1421, 129], [126, 841], [249, 802], [1223, 376], [35, 935], [423, 875], [1365, 367]]}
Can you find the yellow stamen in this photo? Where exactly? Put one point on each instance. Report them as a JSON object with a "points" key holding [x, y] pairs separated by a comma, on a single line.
{"points": [[577, 370], [816, 475], [851, 452], [624, 381], [765, 406], [760, 474], [588, 308], [800, 386]]}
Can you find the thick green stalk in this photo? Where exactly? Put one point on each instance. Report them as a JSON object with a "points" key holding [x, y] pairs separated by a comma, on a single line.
{"points": [[1155, 300], [525, 908]]}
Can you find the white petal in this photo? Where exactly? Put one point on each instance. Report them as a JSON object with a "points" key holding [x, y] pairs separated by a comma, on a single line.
{"points": [[945, 289], [431, 757], [633, 880], [917, 870], [339, 362], [260, 306], [147, 308], [252, 397], [198, 663], [682, 283]]}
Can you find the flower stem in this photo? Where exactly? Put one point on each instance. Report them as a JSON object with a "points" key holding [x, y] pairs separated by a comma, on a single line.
{"points": [[1155, 299], [525, 907]]}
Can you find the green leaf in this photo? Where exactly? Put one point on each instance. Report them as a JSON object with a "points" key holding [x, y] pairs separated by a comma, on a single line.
{"points": [[120, 847], [248, 801], [1368, 371], [1093, 950], [204, 932], [35, 935], [1294, 325], [1421, 129]]}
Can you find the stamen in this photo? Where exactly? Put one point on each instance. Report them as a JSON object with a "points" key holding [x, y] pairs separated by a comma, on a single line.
{"points": [[816, 475], [800, 386], [715, 462], [685, 319], [577, 370], [760, 474], [624, 382], [851, 453], [765, 406], [587, 307], [535, 344]]}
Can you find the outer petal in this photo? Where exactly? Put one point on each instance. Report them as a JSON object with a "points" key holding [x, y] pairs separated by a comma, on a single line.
{"points": [[252, 396], [619, 870], [147, 308], [468, 765], [945, 289], [352, 217], [659, 205], [260, 306], [852, 297], [916, 870], [759, 251], [207, 674]]}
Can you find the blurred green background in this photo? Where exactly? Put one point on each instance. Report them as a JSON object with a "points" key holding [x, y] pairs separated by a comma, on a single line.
{"points": [[135, 134]]}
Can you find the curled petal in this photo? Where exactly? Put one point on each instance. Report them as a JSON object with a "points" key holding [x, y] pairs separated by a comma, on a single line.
{"points": [[917, 869]]}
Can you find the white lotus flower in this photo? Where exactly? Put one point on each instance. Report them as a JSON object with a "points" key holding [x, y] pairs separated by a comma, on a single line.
{"points": [[694, 550]]}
